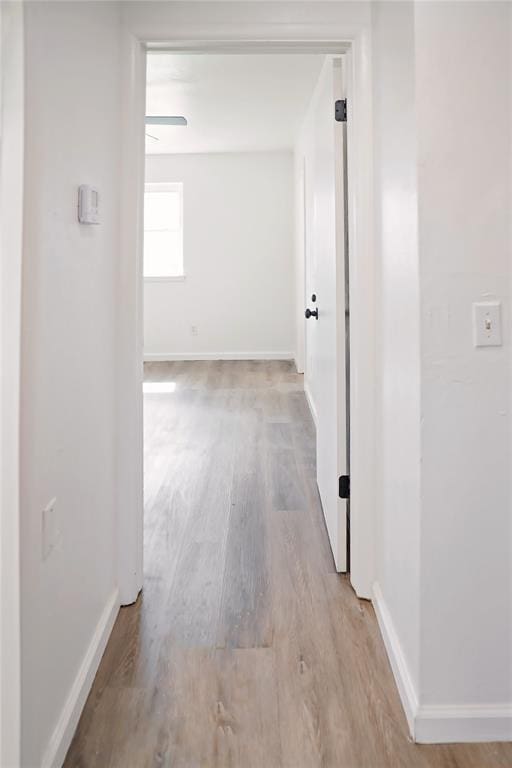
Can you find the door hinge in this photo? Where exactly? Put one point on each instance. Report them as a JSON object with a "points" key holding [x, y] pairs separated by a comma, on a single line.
{"points": [[340, 111], [344, 487]]}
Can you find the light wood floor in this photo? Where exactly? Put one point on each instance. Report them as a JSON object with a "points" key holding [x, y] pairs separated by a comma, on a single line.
{"points": [[245, 649]]}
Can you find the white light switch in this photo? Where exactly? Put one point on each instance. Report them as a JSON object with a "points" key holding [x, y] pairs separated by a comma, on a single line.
{"points": [[487, 324]]}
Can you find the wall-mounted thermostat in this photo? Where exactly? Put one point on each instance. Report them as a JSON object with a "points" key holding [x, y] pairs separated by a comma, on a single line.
{"points": [[88, 205]]}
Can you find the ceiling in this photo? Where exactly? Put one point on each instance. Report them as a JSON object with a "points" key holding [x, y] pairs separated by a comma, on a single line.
{"points": [[233, 103]]}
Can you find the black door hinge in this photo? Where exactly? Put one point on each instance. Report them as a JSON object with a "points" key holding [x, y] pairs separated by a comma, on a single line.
{"points": [[344, 487], [340, 111]]}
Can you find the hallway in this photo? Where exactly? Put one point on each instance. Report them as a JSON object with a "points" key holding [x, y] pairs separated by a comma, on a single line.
{"points": [[245, 649]]}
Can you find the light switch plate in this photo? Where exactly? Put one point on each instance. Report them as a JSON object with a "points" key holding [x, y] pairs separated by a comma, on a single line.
{"points": [[487, 324], [88, 205]]}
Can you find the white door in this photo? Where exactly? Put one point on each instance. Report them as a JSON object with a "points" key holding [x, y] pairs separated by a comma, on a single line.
{"points": [[325, 279]]}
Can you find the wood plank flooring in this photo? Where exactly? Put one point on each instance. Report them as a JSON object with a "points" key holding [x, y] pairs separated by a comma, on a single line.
{"points": [[246, 649]]}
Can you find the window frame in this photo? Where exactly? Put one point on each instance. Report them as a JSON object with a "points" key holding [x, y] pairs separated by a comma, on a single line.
{"points": [[165, 186]]}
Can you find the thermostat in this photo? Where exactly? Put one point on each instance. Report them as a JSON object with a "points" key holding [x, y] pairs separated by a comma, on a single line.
{"points": [[88, 205]]}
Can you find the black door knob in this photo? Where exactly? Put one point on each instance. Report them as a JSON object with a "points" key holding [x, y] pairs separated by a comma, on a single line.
{"points": [[311, 313]]}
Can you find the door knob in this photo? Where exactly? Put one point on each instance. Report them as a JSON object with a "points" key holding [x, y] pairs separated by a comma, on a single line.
{"points": [[311, 313]]}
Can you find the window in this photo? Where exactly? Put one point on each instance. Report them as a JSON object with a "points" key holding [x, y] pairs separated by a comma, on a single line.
{"points": [[163, 231]]}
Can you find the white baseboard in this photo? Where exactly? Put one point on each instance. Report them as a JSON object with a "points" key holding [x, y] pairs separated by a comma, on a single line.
{"points": [[397, 659], [311, 404], [60, 739], [172, 356], [464, 723], [439, 724]]}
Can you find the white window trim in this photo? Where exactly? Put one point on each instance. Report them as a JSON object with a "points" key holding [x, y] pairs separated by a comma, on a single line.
{"points": [[166, 186], [163, 186], [168, 279]]}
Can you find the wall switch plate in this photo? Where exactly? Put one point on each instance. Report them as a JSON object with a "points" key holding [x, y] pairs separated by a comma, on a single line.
{"points": [[51, 535], [487, 324], [88, 205], [194, 330]]}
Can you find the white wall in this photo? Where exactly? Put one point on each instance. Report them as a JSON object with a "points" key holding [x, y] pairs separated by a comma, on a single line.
{"points": [[11, 225], [464, 192], [443, 183], [238, 259], [70, 275]]}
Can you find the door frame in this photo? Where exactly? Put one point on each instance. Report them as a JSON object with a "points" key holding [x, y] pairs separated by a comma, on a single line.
{"points": [[141, 34]]}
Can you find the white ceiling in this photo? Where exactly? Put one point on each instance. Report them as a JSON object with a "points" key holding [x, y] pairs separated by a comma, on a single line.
{"points": [[233, 103]]}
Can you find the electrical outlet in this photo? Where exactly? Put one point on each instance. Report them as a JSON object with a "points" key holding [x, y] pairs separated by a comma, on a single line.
{"points": [[51, 535], [194, 330]]}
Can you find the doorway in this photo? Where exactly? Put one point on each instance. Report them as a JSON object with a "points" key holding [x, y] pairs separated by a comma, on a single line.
{"points": [[131, 539], [228, 140]]}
